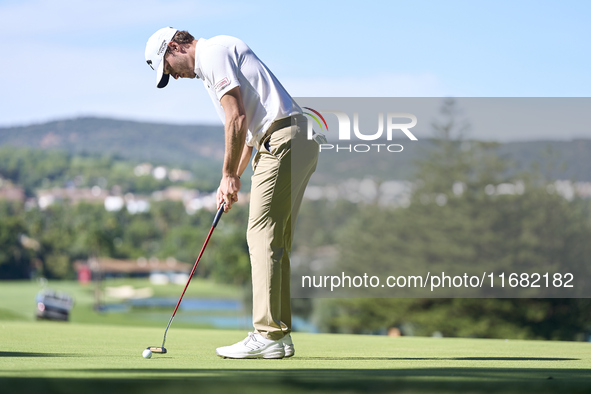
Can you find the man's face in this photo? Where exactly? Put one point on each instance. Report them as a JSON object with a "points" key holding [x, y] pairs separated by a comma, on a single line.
{"points": [[179, 64]]}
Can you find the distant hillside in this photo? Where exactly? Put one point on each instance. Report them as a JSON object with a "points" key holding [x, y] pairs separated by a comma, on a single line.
{"points": [[198, 145], [153, 142], [556, 160]]}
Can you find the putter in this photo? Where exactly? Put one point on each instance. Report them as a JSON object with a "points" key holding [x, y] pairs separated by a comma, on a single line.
{"points": [[162, 349]]}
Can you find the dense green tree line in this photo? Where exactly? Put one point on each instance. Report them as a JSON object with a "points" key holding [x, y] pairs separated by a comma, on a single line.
{"points": [[458, 221], [65, 233]]}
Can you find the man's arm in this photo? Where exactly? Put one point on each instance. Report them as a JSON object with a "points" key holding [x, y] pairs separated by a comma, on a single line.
{"points": [[235, 135], [246, 155]]}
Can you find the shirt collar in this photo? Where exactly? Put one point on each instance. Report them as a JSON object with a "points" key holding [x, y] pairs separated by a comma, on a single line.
{"points": [[198, 47]]}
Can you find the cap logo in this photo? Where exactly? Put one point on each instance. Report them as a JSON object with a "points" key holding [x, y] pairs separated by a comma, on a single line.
{"points": [[150, 64], [162, 48]]}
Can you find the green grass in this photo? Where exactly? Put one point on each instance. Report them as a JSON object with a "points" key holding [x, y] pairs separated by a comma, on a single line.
{"points": [[17, 300], [101, 353], [76, 358]]}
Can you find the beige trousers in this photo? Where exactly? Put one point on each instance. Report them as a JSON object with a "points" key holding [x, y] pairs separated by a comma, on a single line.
{"points": [[282, 169]]}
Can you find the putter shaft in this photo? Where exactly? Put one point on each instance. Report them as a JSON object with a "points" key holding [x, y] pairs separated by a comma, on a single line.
{"points": [[213, 226]]}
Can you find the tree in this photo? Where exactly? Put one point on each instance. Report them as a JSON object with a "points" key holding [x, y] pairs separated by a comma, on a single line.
{"points": [[15, 259], [468, 213]]}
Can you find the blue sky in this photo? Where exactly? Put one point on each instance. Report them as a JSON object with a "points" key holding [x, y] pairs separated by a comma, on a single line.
{"points": [[66, 58]]}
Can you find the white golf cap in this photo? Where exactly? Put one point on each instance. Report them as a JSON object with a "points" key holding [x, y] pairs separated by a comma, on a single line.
{"points": [[155, 50]]}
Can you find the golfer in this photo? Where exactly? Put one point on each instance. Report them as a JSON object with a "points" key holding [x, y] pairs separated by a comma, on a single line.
{"points": [[258, 113]]}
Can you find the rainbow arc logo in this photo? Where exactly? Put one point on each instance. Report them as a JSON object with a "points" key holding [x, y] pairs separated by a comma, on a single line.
{"points": [[348, 129], [316, 119]]}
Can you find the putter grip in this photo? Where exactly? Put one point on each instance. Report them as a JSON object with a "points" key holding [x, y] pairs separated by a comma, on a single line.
{"points": [[218, 215]]}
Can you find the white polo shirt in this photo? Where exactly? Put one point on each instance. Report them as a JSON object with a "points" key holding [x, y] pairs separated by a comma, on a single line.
{"points": [[224, 62]]}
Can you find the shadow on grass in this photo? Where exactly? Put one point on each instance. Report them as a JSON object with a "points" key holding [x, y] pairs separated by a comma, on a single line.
{"points": [[358, 374], [155, 380], [438, 359], [28, 354]]}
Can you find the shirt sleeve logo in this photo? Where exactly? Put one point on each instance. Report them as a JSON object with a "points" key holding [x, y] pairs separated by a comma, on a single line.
{"points": [[222, 84]]}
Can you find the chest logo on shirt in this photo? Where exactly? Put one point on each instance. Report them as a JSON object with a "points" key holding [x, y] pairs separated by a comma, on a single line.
{"points": [[222, 84]]}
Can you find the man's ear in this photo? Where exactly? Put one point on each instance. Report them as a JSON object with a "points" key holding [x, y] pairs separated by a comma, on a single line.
{"points": [[176, 48], [173, 46]]}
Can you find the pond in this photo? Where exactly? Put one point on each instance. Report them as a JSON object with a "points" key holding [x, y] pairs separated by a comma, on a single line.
{"points": [[216, 313]]}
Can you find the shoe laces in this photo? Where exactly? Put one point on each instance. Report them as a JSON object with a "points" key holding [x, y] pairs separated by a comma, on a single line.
{"points": [[250, 337]]}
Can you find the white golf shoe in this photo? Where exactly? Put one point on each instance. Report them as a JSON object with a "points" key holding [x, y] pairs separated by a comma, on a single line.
{"points": [[288, 346], [253, 346]]}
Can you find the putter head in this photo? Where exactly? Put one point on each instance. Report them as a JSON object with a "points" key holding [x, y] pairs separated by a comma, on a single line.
{"points": [[155, 349]]}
